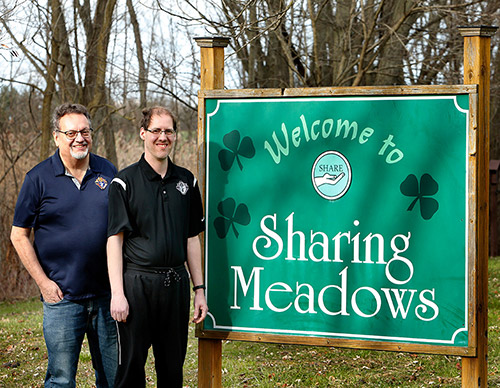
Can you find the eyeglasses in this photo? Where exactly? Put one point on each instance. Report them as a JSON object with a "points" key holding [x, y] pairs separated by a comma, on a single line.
{"points": [[158, 131], [70, 135]]}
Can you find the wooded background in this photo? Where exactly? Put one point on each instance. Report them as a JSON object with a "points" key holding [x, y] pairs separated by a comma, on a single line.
{"points": [[117, 57]]}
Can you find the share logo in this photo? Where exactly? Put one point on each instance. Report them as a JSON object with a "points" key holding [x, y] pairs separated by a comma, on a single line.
{"points": [[331, 175]]}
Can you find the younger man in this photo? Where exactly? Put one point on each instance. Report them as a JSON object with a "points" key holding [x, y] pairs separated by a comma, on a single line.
{"points": [[155, 216]]}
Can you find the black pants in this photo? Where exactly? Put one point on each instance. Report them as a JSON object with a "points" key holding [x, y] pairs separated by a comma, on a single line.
{"points": [[158, 316]]}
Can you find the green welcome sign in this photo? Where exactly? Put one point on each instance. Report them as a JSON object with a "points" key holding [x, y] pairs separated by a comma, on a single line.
{"points": [[339, 217]]}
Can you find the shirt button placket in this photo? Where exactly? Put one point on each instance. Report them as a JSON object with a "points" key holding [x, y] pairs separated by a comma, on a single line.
{"points": [[164, 191]]}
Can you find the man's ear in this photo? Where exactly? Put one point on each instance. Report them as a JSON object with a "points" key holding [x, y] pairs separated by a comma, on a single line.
{"points": [[142, 134], [56, 138]]}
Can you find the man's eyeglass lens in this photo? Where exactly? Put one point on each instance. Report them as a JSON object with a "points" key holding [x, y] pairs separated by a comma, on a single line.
{"points": [[158, 131], [73, 134]]}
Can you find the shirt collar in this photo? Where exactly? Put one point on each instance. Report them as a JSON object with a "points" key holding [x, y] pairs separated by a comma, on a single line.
{"points": [[152, 174], [59, 168]]}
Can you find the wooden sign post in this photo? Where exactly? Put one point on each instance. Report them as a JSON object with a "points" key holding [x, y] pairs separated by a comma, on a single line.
{"points": [[477, 41], [212, 77]]}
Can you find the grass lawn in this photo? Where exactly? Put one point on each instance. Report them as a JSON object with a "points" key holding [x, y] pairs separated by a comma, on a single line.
{"points": [[23, 357]]}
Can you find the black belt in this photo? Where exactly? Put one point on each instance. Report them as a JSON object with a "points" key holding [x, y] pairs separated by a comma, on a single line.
{"points": [[169, 272]]}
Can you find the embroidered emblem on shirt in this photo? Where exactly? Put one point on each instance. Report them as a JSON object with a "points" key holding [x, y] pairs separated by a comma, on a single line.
{"points": [[101, 182], [182, 187]]}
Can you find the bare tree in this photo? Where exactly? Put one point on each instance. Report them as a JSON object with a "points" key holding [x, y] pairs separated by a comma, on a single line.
{"points": [[281, 43], [58, 61]]}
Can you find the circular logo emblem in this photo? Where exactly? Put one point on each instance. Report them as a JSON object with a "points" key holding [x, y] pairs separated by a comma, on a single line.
{"points": [[331, 175]]}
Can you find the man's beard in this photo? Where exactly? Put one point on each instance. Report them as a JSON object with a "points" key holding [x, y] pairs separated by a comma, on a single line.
{"points": [[79, 155]]}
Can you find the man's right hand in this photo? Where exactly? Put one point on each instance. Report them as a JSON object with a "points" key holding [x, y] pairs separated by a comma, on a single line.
{"points": [[51, 293], [20, 238], [119, 308]]}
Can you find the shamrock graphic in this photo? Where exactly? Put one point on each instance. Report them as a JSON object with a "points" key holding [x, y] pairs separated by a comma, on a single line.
{"points": [[235, 150], [231, 215], [428, 188]]}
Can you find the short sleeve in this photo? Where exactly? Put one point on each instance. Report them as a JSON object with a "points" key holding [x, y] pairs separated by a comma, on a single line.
{"points": [[196, 219], [28, 205], [118, 214]]}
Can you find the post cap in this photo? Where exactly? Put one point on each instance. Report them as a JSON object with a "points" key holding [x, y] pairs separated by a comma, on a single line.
{"points": [[212, 41], [486, 31]]}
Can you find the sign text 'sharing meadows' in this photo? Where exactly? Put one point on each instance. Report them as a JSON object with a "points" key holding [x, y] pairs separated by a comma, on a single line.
{"points": [[339, 217]]}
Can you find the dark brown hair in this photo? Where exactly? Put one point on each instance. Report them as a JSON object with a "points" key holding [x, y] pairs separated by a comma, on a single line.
{"points": [[148, 113]]}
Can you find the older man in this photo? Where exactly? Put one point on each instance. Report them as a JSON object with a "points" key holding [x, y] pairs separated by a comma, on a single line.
{"points": [[64, 200]]}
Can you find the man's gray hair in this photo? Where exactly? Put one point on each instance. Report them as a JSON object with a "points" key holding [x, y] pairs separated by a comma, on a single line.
{"points": [[66, 109]]}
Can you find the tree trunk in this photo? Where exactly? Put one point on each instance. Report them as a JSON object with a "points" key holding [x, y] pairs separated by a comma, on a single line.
{"points": [[390, 68], [95, 95], [143, 82], [67, 82], [50, 78]]}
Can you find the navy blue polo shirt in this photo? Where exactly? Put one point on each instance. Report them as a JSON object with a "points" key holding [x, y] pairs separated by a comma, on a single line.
{"points": [[69, 224], [156, 215]]}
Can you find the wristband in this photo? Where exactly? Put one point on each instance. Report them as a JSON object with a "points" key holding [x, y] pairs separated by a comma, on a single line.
{"points": [[198, 287]]}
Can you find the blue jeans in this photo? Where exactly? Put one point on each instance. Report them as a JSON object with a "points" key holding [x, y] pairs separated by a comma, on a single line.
{"points": [[64, 325]]}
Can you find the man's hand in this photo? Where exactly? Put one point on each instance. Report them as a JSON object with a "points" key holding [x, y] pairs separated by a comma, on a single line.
{"points": [[119, 308], [51, 293], [20, 237], [119, 303], [200, 306]]}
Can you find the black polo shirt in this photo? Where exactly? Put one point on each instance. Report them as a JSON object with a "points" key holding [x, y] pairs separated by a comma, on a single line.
{"points": [[156, 215]]}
